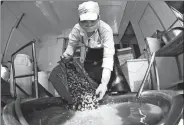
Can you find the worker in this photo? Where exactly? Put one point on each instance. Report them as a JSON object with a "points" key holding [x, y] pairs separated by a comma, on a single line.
{"points": [[97, 36]]}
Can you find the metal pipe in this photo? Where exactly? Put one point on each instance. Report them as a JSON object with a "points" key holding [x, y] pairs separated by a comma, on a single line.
{"points": [[13, 73], [24, 75], [7, 44], [147, 55], [157, 76], [21, 89], [23, 47], [9, 37], [18, 22], [35, 68], [146, 76]]}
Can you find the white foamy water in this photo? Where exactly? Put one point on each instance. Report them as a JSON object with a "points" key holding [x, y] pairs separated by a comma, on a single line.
{"points": [[102, 116], [112, 114]]}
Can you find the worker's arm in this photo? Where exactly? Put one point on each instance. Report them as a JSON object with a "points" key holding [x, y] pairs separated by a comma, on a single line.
{"points": [[108, 61], [108, 55], [74, 38]]}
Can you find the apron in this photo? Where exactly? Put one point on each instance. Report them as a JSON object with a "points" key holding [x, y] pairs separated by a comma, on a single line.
{"points": [[93, 66], [93, 63], [93, 60]]}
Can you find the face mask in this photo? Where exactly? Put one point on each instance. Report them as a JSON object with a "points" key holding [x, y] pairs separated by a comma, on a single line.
{"points": [[91, 29]]}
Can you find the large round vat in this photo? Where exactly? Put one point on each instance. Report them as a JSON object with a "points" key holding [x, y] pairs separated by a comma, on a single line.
{"points": [[169, 101]]}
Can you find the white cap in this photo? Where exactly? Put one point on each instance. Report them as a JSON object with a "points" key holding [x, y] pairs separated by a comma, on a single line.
{"points": [[88, 10]]}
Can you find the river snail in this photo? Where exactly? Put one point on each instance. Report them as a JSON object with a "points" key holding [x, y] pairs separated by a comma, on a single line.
{"points": [[83, 95]]}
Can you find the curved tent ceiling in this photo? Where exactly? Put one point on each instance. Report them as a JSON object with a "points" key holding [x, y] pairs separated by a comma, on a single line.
{"points": [[43, 17]]}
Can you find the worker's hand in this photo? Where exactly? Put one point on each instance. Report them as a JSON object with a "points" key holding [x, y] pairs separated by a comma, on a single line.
{"points": [[101, 90]]}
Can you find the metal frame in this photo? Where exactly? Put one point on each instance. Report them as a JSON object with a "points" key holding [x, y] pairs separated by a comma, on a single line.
{"points": [[152, 63], [10, 35], [35, 74]]}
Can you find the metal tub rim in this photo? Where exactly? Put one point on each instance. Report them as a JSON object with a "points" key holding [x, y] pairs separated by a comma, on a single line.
{"points": [[172, 118]]}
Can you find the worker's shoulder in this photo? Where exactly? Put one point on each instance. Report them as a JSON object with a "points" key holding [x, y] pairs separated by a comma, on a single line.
{"points": [[76, 28], [105, 27]]}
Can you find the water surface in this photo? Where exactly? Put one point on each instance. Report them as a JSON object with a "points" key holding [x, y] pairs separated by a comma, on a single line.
{"points": [[126, 113]]}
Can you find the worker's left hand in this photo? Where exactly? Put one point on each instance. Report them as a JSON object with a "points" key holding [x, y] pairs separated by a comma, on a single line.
{"points": [[101, 90]]}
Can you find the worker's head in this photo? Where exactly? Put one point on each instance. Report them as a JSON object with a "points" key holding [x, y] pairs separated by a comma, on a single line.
{"points": [[89, 16]]}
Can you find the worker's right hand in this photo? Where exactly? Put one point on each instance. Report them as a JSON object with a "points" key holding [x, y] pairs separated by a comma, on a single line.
{"points": [[101, 90]]}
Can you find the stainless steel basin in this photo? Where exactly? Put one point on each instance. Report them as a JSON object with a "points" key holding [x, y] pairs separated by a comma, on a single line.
{"points": [[169, 101]]}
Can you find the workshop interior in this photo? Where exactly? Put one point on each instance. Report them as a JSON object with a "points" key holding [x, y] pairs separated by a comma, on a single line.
{"points": [[40, 87]]}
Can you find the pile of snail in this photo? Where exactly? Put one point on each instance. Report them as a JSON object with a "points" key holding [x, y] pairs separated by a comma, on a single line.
{"points": [[81, 90]]}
